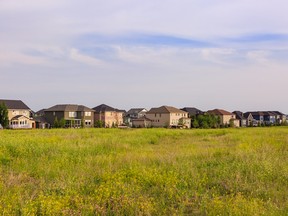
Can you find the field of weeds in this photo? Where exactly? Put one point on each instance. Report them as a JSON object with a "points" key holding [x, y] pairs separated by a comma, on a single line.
{"points": [[144, 172]]}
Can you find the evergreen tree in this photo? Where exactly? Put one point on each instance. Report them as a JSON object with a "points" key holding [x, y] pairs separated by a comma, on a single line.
{"points": [[4, 121]]}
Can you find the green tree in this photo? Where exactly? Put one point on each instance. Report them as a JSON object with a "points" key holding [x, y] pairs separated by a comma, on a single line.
{"points": [[195, 123], [99, 124], [4, 121], [56, 123]]}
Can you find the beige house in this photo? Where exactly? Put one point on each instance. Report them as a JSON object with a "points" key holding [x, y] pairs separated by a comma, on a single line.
{"points": [[225, 117], [108, 116], [167, 116], [19, 114]]}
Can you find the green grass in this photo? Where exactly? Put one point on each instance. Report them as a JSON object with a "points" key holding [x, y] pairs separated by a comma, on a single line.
{"points": [[144, 172]]}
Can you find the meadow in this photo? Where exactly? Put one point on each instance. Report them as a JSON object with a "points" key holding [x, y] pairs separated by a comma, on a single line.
{"points": [[144, 172]]}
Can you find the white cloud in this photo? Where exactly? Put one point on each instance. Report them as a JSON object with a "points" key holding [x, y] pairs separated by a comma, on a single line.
{"points": [[85, 59]]}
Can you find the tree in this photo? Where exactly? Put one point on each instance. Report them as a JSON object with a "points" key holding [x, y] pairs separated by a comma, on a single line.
{"points": [[56, 123], [4, 121]]}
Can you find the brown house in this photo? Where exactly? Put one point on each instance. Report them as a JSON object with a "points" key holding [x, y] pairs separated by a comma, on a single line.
{"points": [[109, 116], [168, 116], [19, 114], [75, 116], [225, 117]]}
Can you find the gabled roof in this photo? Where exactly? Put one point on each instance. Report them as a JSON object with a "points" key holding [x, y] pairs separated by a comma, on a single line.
{"points": [[68, 108], [18, 117], [106, 108], [165, 109], [239, 115], [278, 113], [135, 110], [261, 113], [219, 112], [192, 111], [14, 104]]}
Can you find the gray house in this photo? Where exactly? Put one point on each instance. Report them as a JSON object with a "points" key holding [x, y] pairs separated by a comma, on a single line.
{"points": [[75, 116]]}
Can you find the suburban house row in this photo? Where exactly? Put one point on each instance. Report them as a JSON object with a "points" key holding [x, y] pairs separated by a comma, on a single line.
{"points": [[76, 116]]}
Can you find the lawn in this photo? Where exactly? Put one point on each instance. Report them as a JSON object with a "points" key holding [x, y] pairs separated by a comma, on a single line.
{"points": [[144, 172]]}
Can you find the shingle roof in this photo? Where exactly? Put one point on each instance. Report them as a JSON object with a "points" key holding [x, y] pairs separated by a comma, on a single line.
{"points": [[135, 110], [192, 111], [219, 112], [106, 108], [14, 104], [165, 109], [69, 108], [239, 115], [19, 116]]}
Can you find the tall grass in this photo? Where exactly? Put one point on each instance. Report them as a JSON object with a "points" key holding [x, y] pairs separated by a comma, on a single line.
{"points": [[144, 172]]}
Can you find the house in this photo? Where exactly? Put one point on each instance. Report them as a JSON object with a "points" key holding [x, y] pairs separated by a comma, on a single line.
{"points": [[263, 117], [109, 116], [250, 121], [168, 116], [134, 113], [225, 117], [242, 120], [142, 122], [75, 116], [280, 117], [19, 114]]}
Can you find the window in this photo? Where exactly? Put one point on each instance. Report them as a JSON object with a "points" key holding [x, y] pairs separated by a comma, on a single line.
{"points": [[87, 113], [73, 114], [87, 122]]}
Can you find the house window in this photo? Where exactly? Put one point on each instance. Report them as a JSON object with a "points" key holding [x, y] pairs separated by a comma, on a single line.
{"points": [[73, 114], [87, 122], [53, 113], [155, 114], [87, 113]]}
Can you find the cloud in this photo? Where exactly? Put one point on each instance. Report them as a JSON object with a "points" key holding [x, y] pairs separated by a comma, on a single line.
{"points": [[85, 59]]}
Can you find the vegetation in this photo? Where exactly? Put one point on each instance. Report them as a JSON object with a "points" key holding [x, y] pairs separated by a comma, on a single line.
{"points": [[4, 121], [144, 172], [205, 121], [59, 123]]}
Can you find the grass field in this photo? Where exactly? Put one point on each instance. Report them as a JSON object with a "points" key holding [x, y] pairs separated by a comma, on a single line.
{"points": [[144, 172]]}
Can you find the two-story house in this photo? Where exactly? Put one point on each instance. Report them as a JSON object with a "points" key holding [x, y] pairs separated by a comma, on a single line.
{"points": [[225, 117], [75, 116], [168, 116], [108, 116], [19, 114]]}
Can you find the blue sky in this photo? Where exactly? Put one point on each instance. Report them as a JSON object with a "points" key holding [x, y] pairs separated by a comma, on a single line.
{"points": [[206, 54]]}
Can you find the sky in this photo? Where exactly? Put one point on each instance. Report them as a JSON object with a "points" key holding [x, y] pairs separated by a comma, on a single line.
{"points": [[130, 53]]}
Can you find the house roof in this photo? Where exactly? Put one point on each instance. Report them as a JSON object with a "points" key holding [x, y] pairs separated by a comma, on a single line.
{"points": [[68, 108], [18, 117], [261, 113], [41, 119], [192, 111], [239, 115], [14, 104], [219, 112], [165, 109], [106, 108], [135, 110]]}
